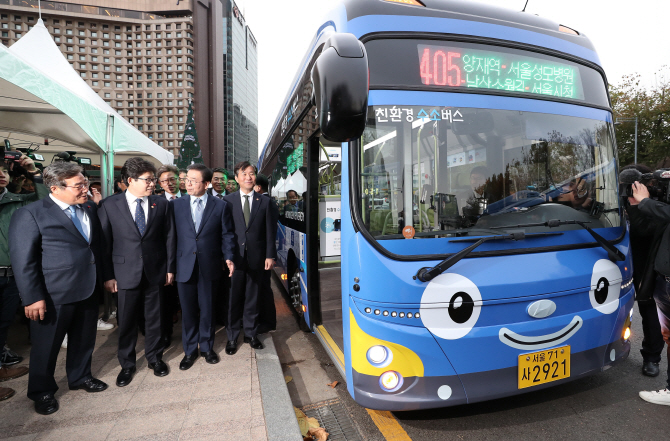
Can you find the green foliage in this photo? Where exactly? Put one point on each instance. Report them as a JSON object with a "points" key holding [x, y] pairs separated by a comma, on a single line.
{"points": [[652, 108]]}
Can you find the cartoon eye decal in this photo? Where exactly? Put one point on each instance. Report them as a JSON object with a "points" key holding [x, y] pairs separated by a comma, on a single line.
{"points": [[450, 306], [605, 286]]}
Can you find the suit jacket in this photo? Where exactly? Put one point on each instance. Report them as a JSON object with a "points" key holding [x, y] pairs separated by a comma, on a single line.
{"points": [[127, 254], [256, 242], [212, 244], [50, 257]]}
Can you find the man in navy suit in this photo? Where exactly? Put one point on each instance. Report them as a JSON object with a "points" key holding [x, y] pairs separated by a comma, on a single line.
{"points": [[204, 245], [255, 232], [55, 245], [139, 260]]}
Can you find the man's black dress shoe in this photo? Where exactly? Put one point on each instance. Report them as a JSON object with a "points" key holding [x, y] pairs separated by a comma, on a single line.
{"points": [[231, 347], [650, 369], [254, 342], [211, 357], [91, 385], [160, 368], [46, 405], [188, 361], [9, 357], [125, 376]]}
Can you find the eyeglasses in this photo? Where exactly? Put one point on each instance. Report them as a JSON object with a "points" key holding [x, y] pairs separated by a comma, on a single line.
{"points": [[148, 180], [191, 181], [166, 181], [78, 186]]}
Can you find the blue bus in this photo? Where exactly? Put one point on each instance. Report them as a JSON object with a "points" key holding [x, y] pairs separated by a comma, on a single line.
{"points": [[450, 224]]}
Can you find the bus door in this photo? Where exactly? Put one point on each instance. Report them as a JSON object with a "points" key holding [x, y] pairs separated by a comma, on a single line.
{"points": [[325, 188]]}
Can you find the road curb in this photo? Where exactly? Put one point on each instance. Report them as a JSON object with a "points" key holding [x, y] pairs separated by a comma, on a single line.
{"points": [[280, 419]]}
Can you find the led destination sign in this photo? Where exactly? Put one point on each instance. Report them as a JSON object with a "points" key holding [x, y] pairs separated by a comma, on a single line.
{"points": [[453, 66]]}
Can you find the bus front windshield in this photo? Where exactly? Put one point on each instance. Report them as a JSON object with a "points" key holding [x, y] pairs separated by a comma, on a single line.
{"points": [[465, 171]]}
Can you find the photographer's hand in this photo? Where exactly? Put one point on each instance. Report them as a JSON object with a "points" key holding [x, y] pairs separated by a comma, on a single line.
{"points": [[28, 164], [36, 311], [640, 191]]}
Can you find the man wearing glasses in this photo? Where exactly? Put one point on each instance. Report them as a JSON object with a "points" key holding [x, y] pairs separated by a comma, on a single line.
{"points": [[139, 261], [205, 247], [218, 190], [168, 178], [219, 181], [56, 243]]}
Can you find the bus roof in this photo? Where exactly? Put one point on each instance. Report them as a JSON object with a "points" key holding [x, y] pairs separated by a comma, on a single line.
{"points": [[464, 10]]}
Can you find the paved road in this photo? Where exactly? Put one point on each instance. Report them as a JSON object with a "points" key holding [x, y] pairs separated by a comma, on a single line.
{"points": [[601, 407]]}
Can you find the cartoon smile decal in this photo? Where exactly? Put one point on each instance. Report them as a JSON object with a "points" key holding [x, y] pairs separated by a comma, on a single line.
{"points": [[518, 341]]}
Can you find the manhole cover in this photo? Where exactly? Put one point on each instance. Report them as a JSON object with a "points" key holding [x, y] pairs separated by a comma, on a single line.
{"points": [[334, 417]]}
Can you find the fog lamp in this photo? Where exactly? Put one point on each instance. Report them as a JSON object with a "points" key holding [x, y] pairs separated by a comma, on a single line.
{"points": [[390, 381]]}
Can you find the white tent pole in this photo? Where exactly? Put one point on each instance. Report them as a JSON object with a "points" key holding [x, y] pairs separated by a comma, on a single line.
{"points": [[39, 6], [105, 158], [110, 154]]}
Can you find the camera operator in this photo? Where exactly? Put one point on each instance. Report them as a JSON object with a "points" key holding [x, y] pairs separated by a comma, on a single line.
{"points": [[645, 238], [9, 293], [661, 211]]}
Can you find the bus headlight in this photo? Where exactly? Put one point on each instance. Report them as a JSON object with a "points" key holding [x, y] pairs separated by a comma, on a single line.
{"points": [[379, 356], [626, 333], [390, 381]]}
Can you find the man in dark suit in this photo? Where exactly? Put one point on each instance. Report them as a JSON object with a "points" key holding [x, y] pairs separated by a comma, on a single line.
{"points": [[255, 232], [139, 260], [204, 245], [56, 243], [219, 181], [267, 315], [168, 178], [218, 190]]}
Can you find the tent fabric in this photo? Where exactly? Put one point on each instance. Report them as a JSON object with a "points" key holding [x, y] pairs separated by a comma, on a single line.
{"points": [[35, 64]]}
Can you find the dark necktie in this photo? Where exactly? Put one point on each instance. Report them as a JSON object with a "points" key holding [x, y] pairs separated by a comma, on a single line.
{"points": [[219, 195], [140, 221], [77, 222], [246, 210]]}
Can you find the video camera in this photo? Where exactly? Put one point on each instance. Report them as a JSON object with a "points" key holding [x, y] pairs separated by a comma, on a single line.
{"points": [[7, 154], [34, 156], [69, 156], [657, 182]]}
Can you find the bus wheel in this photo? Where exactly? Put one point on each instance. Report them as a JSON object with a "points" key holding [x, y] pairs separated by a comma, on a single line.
{"points": [[296, 299]]}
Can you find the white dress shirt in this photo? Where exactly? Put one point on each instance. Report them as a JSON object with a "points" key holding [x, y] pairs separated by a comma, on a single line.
{"points": [[132, 205], [194, 202], [216, 193], [251, 199], [81, 214], [169, 196]]}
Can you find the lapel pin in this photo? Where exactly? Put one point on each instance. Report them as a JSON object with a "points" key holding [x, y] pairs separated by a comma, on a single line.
{"points": [[154, 204]]}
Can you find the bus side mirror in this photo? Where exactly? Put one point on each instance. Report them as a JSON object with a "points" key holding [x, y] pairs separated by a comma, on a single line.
{"points": [[341, 83]]}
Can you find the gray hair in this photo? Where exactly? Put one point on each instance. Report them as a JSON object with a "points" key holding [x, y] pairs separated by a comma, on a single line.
{"points": [[56, 174]]}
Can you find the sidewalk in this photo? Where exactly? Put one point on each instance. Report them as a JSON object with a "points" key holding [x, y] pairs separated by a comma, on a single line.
{"points": [[207, 402]]}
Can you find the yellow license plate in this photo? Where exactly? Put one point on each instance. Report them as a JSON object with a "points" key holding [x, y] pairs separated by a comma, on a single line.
{"points": [[544, 366]]}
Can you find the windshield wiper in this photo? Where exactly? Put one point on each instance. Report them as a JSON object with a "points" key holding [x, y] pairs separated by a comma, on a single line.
{"points": [[612, 252], [439, 233], [427, 274]]}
